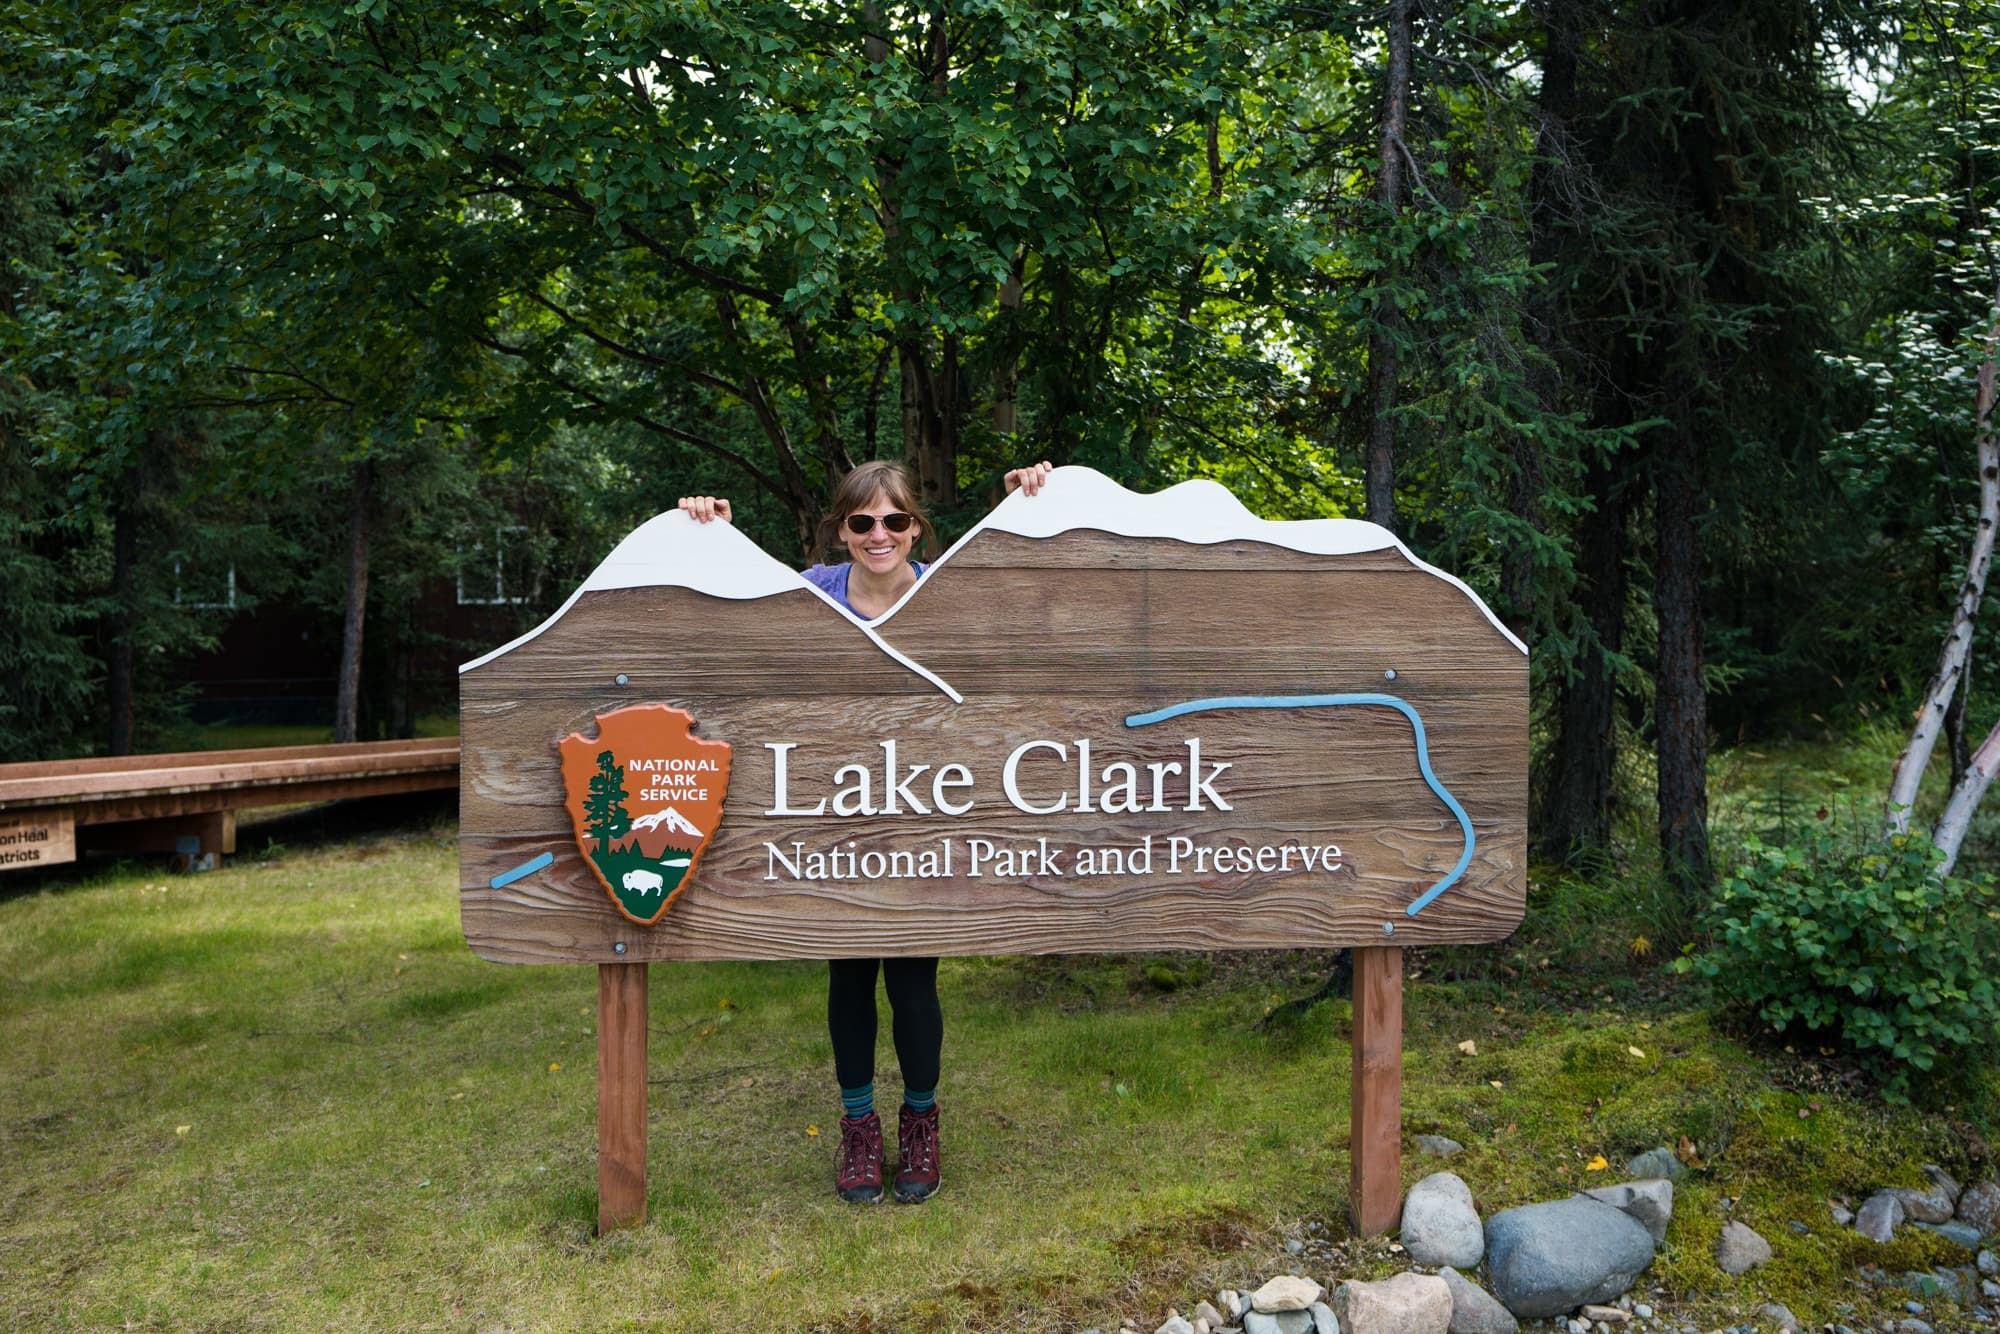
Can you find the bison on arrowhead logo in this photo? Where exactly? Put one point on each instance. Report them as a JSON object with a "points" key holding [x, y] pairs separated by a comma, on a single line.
{"points": [[645, 796]]}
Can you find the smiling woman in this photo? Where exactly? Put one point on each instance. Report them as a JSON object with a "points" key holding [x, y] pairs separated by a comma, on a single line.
{"points": [[877, 518]]}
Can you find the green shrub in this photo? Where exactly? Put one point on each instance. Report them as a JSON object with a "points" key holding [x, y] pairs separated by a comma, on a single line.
{"points": [[1865, 941]]}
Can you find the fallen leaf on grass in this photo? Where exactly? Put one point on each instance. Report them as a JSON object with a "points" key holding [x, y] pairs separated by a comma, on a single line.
{"points": [[748, 1080], [1469, 1047], [1496, 1083], [182, 1130], [1687, 1152], [1636, 1052], [554, 1066], [812, 1130], [1597, 1163]]}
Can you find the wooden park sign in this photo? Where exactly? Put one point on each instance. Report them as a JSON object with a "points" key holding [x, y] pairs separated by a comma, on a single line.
{"points": [[1101, 722]]}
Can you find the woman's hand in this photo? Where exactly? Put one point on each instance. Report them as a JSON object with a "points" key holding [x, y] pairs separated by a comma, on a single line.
{"points": [[1029, 479], [703, 509]]}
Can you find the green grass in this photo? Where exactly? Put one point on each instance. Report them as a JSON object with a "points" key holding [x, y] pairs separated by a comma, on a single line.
{"points": [[286, 1094]]}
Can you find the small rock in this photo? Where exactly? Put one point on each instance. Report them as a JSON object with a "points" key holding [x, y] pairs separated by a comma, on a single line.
{"points": [[1202, 1326], [1437, 1146], [1739, 1249], [1294, 1322], [1659, 1162], [1989, 1287], [1650, 1201], [1841, 1217], [1402, 1304], [1643, 1311], [1440, 1224], [1979, 1205], [1604, 1315], [1912, 1327], [1943, 1181], [1294, 1245], [1959, 1234], [1989, 1263], [1215, 1318], [1324, 1320], [1578, 1327], [1232, 1302], [1880, 1215], [1914, 1308], [1256, 1322], [1287, 1292], [1781, 1316], [1926, 1206], [1473, 1309], [1175, 1325]]}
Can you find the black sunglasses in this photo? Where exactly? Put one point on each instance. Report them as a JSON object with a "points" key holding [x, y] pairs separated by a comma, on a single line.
{"points": [[863, 524]]}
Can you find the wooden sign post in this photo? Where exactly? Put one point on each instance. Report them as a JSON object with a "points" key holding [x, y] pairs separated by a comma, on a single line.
{"points": [[1101, 722]]}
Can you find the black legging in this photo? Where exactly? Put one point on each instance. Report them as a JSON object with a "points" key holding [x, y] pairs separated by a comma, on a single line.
{"points": [[917, 1023]]}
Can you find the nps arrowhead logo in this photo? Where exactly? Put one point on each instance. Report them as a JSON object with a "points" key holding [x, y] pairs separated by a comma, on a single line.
{"points": [[645, 796]]}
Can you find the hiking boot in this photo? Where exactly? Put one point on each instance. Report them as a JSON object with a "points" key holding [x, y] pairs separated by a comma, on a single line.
{"points": [[916, 1155], [858, 1175]]}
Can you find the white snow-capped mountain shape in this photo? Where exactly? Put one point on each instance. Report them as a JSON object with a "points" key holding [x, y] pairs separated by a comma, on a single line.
{"points": [[671, 549], [675, 822]]}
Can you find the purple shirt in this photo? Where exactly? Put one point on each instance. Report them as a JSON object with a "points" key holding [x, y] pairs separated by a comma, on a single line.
{"points": [[832, 580]]}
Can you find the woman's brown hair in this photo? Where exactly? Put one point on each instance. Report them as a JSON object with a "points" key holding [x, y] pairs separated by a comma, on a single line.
{"points": [[894, 483]]}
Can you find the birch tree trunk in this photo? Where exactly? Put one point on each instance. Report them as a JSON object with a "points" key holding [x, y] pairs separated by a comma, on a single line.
{"points": [[1970, 787], [1910, 765], [1965, 798]]}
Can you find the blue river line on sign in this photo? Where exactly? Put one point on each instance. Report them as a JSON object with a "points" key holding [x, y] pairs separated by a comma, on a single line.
{"points": [[1401, 706]]}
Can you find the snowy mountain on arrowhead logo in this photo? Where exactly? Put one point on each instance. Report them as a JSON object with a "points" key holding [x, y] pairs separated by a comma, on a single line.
{"points": [[639, 794], [675, 822]]}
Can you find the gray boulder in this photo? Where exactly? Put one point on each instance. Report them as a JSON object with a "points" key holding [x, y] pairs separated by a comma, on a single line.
{"points": [[1440, 1226], [1473, 1308], [1324, 1320], [1438, 1146], [1980, 1206], [1545, 1259], [1403, 1304], [1739, 1249], [1934, 1205], [1651, 1202], [1660, 1162], [1879, 1216]]}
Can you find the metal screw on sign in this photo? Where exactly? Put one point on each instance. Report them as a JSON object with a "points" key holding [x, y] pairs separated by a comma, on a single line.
{"points": [[1389, 675], [1388, 929], [618, 948], [623, 679]]}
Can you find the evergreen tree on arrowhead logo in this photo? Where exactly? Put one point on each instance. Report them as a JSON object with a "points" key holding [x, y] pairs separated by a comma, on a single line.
{"points": [[645, 796]]}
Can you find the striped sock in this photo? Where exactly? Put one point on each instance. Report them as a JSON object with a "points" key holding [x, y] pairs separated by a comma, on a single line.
{"points": [[920, 1102], [858, 1102]]}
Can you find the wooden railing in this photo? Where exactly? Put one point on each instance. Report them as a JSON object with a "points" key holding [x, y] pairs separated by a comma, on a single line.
{"points": [[187, 803]]}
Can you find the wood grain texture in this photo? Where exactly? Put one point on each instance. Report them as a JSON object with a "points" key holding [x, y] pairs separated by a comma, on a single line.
{"points": [[1375, 1146], [621, 1096], [1067, 648]]}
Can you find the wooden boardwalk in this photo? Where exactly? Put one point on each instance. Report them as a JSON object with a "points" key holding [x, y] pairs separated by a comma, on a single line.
{"points": [[187, 803]]}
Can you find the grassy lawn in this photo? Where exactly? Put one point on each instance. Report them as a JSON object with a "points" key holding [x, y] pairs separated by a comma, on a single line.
{"points": [[286, 1095]]}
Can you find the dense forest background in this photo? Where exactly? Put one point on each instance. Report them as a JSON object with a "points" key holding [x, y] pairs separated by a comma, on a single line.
{"points": [[1658, 320]]}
